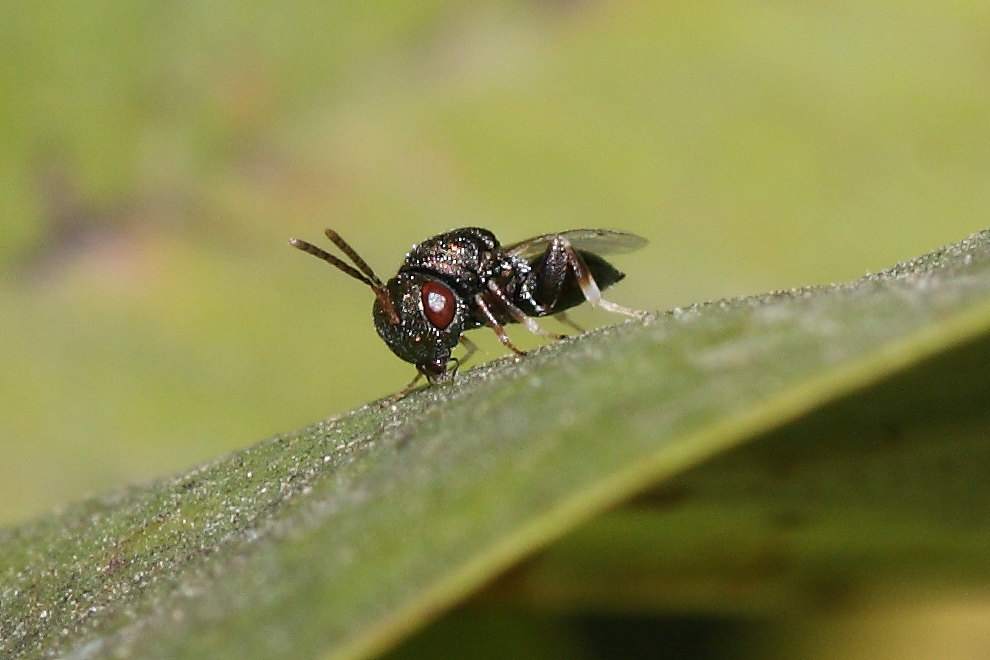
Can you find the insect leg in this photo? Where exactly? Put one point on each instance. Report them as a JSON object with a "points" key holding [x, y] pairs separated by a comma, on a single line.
{"points": [[518, 315], [401, 394], [587, 283], [470, 346], [566, 320], [479, 300]]}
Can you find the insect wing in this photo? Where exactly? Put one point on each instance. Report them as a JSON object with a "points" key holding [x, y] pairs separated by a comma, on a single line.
{"points": [[599, 241]]}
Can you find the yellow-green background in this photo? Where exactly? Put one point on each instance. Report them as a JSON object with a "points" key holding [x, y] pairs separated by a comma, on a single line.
{"points": [[155, 158]]}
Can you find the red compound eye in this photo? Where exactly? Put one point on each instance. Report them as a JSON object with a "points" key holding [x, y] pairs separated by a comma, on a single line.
{"points": [[438, 304]]}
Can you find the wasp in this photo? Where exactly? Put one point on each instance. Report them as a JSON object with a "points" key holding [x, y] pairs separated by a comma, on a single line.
{"points": [[465, 279]]}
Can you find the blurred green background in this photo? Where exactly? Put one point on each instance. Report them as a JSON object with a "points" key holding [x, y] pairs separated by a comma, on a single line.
{"points": [[156, 157]]}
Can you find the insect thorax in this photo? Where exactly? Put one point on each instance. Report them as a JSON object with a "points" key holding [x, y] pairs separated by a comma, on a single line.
{"points": [[461, 258]]}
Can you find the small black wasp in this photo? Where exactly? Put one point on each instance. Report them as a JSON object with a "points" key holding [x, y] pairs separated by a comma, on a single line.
{"points": [[464, 279]]}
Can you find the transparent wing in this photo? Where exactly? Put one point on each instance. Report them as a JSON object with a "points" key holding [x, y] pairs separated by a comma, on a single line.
{"points": [[599, 241]]}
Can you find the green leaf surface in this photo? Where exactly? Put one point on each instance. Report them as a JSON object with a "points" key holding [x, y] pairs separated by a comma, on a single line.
{"points": [[733, 428]]}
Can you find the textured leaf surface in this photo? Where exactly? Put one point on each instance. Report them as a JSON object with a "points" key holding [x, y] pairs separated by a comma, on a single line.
{"points": [[344, 536]]}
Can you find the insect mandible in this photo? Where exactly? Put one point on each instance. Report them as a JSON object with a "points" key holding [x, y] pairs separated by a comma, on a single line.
{"points": [[464, 279]]}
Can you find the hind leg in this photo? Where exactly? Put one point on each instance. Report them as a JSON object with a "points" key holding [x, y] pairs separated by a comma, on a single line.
{"points": [[560, 256]]}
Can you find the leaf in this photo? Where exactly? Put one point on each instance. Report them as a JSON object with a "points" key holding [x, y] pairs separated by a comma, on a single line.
{"points": [[343, 537]]}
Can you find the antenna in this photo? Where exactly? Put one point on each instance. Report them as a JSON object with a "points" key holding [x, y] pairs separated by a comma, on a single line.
{"points": [[363, 271]]}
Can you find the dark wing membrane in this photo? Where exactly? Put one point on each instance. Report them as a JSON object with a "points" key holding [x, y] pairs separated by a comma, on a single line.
{"points": [[599, 241]]}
